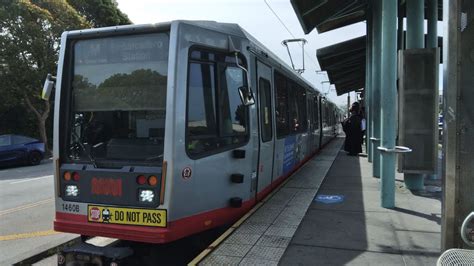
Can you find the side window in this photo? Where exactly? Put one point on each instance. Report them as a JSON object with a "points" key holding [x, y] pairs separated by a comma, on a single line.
{"points": [[216, 118], [201, 123], [265, 109], [323, 114], [5, 140], [281, 106], [316, 112], [233, 113], [295, 121], [302, 109], [328, 115], [21, 140]]}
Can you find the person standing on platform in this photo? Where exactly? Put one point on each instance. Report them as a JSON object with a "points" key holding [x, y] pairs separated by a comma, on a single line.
{"points": [[352, 126]]}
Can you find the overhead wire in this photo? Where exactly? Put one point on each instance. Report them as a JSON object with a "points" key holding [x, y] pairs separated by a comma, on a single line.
{"points": [[288, 30]]}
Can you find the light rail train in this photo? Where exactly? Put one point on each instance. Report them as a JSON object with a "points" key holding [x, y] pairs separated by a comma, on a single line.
{"points": [[165, 130]]}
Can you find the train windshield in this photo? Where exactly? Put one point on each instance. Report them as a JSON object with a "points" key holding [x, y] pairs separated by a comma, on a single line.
{"points": [[118, 99]]}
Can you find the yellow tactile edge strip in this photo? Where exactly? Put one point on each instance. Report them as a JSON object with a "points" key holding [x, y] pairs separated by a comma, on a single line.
{"points": [[236, 225]]}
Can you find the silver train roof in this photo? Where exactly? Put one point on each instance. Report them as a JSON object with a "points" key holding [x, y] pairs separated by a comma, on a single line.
{"points": [[226, 28]]}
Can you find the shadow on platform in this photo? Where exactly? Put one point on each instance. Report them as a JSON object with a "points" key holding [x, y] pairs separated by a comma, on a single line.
{"points": [[358, 231]]}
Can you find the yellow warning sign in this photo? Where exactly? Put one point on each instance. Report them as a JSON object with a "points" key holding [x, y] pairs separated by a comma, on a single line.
{"points": [[129, 216]]}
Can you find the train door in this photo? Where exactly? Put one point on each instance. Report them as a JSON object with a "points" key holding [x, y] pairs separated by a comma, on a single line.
{"points": [[266, 138]]}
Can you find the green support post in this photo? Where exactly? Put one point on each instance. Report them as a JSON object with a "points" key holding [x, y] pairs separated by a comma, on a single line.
{"points": [[389, 101], [432, 38], [432, 15], [415, 39], [368, 87], [401, 32], [376, 85], [415, 24]]}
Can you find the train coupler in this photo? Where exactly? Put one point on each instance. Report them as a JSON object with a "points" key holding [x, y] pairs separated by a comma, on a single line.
{"points": [[88, 254]]}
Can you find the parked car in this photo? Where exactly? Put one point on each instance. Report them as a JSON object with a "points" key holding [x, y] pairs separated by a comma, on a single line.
{"points": [[17, 149]]}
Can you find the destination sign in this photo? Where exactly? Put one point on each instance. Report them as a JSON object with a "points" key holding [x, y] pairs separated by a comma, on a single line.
{"points": [[122, 49]]}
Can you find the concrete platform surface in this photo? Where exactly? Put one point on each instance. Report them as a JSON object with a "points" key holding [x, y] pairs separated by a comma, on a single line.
{"points": [[357, 231], [294, 227], [264, 236]]}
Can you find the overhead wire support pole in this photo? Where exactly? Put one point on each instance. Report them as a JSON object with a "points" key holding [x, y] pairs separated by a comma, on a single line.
{"points": [[388, 98]]}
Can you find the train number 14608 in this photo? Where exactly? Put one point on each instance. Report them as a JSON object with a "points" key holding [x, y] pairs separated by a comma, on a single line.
{"points": [[70, 207]]}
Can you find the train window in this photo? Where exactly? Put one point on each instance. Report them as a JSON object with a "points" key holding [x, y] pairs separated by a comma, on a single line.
{"points": [[328, 116], [202, 55], [265, 109], [216, 118], [201, 97], [295, 121], [281, 106], [316, 112], [302, 112], [233, 112]]}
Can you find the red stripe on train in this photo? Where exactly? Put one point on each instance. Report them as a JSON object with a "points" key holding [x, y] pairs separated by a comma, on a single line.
{"points": [[78, 224]]}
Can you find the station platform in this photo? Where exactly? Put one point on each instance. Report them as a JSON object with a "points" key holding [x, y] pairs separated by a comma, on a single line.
{"points": [[328, 213]]}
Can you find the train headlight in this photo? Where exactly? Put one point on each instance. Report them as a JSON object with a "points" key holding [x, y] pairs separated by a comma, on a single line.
{"points": [[72, 191], [146, 195]]}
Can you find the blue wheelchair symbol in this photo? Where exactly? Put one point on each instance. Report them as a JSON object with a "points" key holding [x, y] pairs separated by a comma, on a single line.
{"points": [[328, 199]]}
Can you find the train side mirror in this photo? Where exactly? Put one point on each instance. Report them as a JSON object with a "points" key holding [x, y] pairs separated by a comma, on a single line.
{"points": [[48, 87], [246, 96]]}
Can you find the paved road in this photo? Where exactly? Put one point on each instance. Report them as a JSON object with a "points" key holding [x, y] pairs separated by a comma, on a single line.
{"points": [[26, 222], [27, 212]]}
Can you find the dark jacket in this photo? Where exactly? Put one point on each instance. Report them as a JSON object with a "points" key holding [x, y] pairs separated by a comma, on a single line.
{"points": [[352, 126]]}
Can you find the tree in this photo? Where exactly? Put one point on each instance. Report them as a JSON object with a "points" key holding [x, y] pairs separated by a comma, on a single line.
{"points": [[100, 13], [29, 40], [30, 32]]}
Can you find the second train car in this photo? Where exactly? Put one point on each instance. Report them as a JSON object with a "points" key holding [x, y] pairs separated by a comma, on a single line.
{"points": [[166, 130]]}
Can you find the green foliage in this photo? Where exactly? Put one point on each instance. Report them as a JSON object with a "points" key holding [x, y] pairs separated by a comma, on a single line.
{"points": [[30, 32], [29, 41], [100, 13]]}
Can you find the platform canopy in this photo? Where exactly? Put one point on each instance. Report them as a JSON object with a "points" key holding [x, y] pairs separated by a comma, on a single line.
{"points": [[345, 64], [327, 15]]}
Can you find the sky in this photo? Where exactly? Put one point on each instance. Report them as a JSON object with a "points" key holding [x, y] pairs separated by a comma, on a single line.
{"points": [[257, 18]]}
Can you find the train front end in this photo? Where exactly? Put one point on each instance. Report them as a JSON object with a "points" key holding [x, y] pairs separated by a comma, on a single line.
{"points": [[109, 133]]}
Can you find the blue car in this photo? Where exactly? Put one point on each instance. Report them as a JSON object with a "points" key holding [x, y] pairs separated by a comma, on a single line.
{"points": [[16, 149]]}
